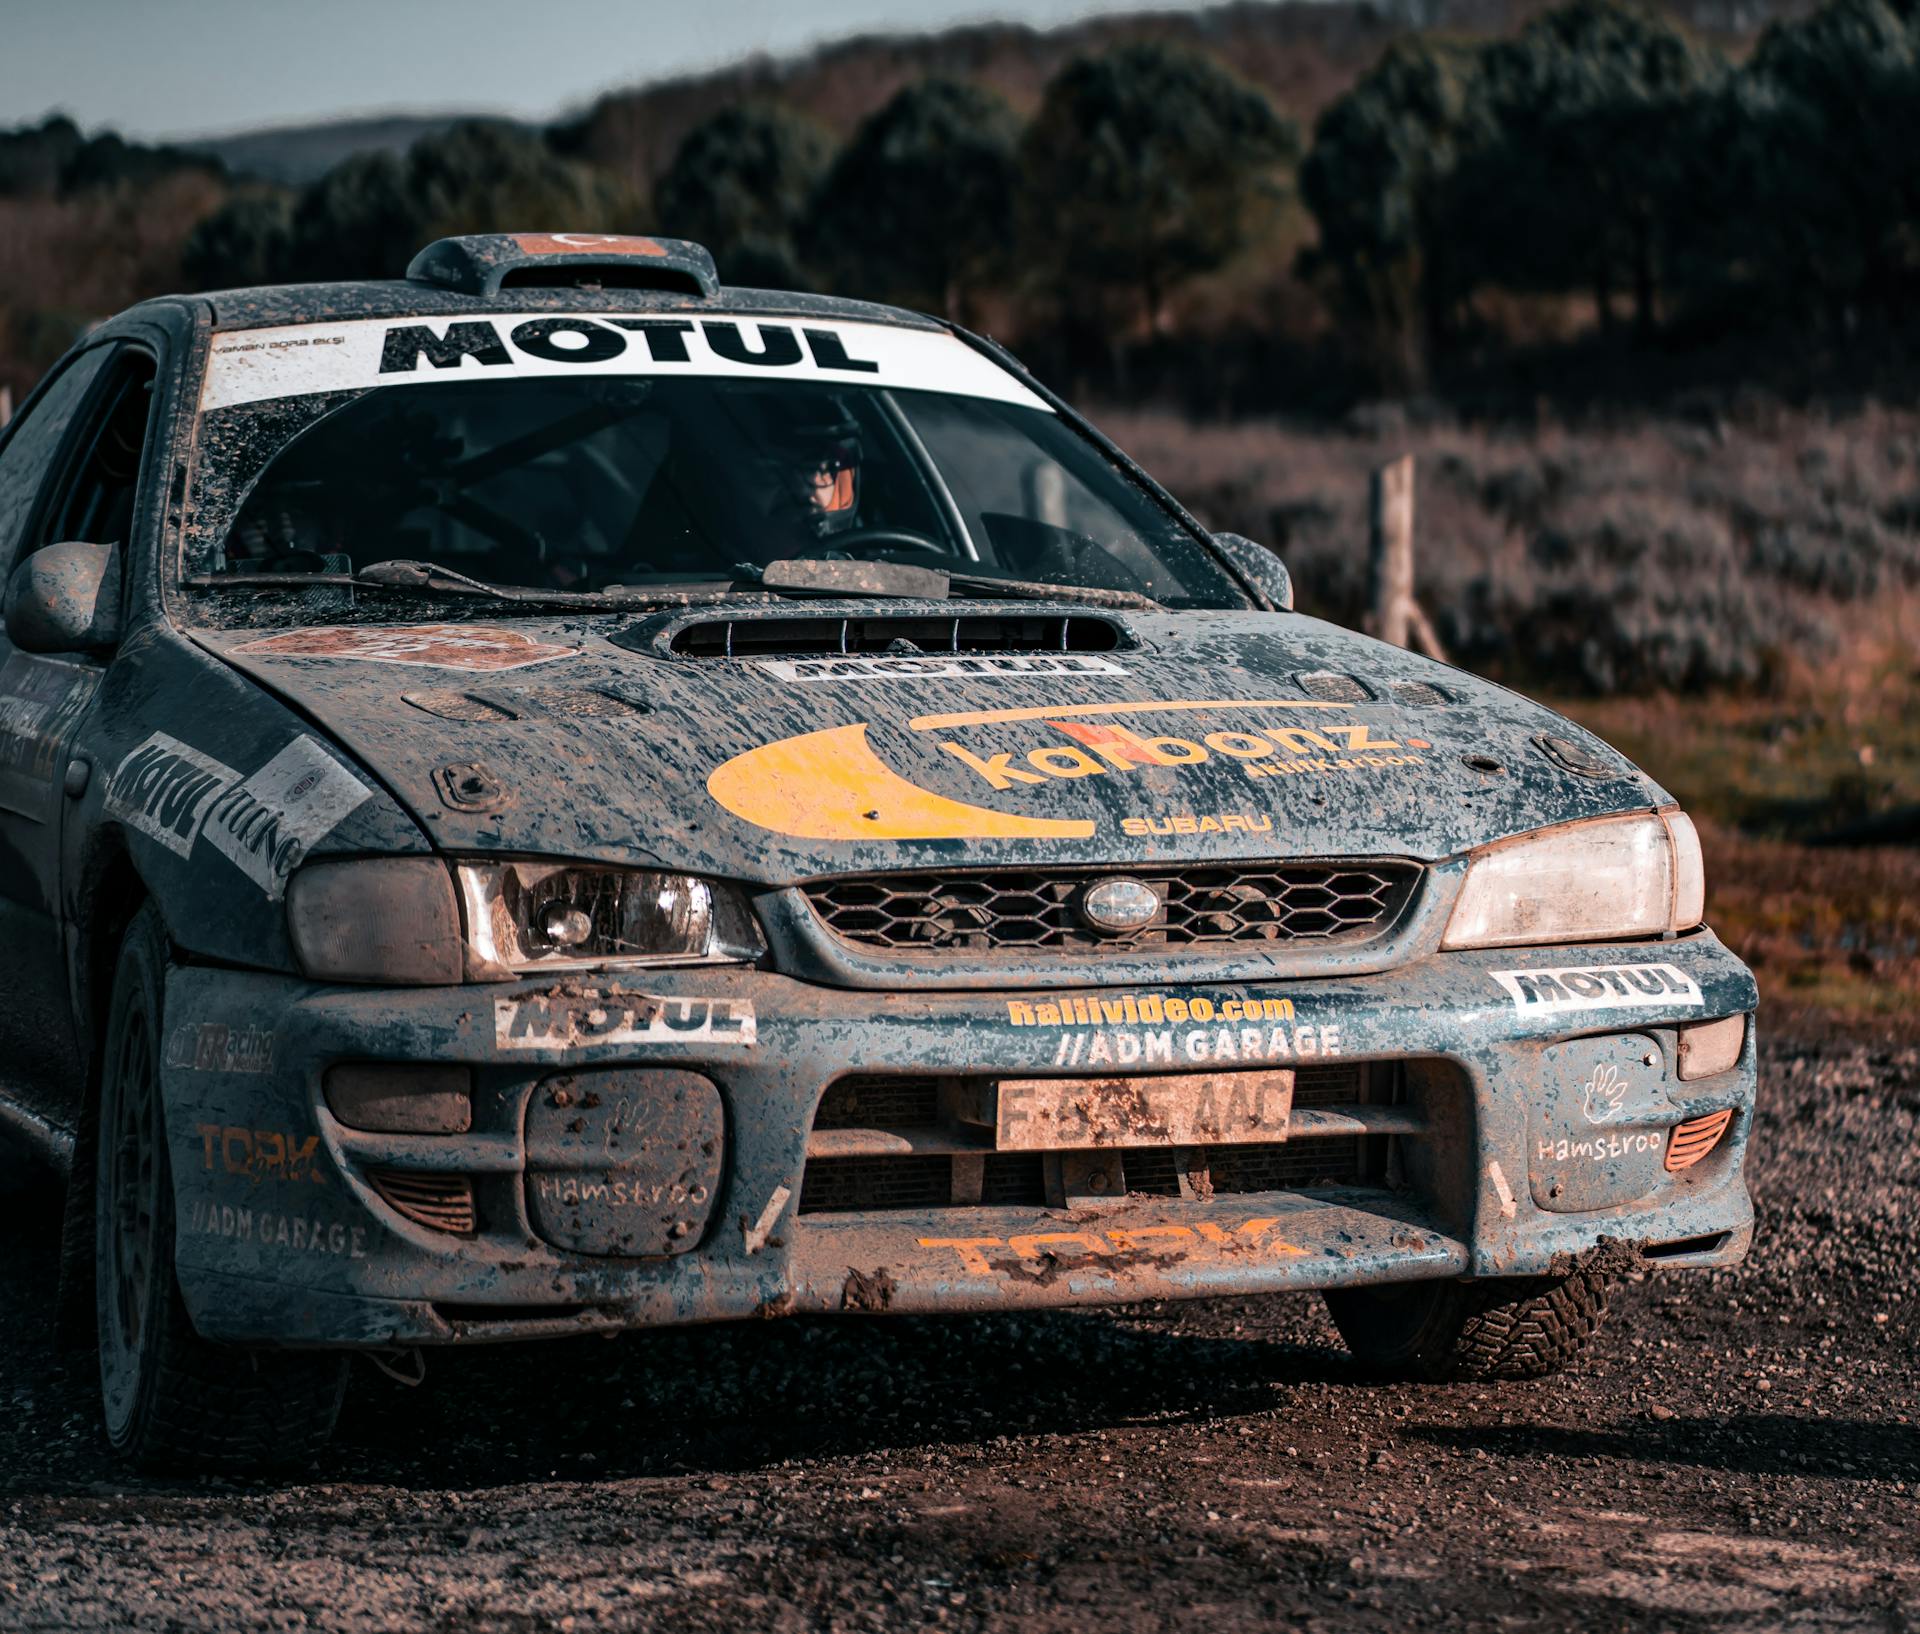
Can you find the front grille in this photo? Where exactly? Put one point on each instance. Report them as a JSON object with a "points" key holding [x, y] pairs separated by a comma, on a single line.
{"points": [[833, 1185], [1013, 1179], [879, 1103], [844, 1185], [1238, 905], [1294, 1165], [912, 1106]]}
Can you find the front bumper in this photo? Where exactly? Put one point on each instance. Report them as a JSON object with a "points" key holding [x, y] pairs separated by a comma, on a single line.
{"points": [[1502, 1159]]}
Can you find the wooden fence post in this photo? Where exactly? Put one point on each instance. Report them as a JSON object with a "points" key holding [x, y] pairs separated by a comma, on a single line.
{"points": [[1395, 616], [1390, 558]]}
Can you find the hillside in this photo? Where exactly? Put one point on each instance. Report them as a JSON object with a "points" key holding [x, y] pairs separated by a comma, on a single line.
{"points": [[293, 155], [1303, 52]]}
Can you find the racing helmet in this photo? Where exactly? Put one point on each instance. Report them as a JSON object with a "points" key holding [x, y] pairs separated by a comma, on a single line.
{"points": [[816, 455]]}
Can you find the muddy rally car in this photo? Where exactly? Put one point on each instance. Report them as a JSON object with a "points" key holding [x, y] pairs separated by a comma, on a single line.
{"points": [[553, 796]]}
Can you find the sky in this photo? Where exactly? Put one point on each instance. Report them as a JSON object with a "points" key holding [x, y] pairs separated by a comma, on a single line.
{"points": [[160, 68]]}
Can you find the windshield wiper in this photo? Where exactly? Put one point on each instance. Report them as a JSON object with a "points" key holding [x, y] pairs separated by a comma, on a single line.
{"points": [[403, 574], [1037, 590], [908, 580], [831, 576]]}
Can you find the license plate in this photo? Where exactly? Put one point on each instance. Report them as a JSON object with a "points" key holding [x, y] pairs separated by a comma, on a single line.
{"points": [[1178, 1109]]}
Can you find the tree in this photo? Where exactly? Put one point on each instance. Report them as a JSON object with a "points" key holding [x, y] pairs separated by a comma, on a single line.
{"points": [[1832, 160], [741, 184], [919, 208], [248, 240], [1146, 166], [1377, 181], [109, 161], [370, 214], [34, 158], [1588, 183]]}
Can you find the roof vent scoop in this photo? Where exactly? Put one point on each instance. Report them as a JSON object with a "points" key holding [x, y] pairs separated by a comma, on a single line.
{"points": [[486, 263]]}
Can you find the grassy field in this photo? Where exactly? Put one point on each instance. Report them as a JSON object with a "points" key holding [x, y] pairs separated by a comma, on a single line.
{"points": [[1833, 931], [1731, 595]]}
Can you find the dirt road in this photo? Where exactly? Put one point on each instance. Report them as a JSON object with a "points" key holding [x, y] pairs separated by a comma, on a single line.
{"points": [[1743, 1450]]}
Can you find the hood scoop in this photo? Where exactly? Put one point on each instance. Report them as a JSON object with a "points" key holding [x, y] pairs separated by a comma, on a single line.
{"points": [[778, 637]]}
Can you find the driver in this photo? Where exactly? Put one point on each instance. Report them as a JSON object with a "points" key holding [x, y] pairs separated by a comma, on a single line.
{"points": [[816, 470]]}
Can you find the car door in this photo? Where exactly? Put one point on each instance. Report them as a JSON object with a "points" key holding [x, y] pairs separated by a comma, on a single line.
{"points": [[68, 470]]}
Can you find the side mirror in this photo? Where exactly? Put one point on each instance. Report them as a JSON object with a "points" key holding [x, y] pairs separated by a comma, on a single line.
{"points": [[65, 598], [1263, 570]]}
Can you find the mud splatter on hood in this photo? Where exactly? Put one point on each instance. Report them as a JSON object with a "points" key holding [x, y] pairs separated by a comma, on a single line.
{"points": [[1197, 736]]}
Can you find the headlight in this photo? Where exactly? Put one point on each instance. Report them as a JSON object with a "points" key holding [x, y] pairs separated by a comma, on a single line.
{"points": [[380, 919], [1592, 881], [533, 916]]}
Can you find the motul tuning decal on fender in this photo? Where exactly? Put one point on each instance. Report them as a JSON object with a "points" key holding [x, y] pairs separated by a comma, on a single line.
{"points": [[264, 823], [164, 789]]}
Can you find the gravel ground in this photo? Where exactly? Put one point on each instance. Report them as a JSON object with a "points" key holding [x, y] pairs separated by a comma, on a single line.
{"points": [[1741, 1450]]}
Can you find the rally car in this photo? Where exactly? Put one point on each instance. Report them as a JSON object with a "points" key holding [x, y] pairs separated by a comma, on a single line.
{"points": [[554, 796]]}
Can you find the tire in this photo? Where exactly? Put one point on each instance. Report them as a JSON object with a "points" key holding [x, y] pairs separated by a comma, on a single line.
{"points": [[1518, 1328], [171, 1399]]}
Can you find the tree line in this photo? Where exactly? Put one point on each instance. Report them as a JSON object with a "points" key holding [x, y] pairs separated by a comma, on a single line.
{"points": [[1601, 166], [1142, 166], [1604, 152]]}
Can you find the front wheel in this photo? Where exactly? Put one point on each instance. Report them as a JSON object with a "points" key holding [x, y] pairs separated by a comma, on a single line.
{"points": [[1498, 1328], [172, 1399]]}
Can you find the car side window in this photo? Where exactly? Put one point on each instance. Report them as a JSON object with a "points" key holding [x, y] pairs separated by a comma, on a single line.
{"points": [[95, 502], [35, 440]]}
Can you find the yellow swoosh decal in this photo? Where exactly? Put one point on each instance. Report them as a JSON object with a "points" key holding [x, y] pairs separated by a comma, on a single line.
{"points": [[986, 717], [830, 785]]}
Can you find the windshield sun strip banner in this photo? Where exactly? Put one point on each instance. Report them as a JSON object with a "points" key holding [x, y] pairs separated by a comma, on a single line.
{"points": [[256, 365]]}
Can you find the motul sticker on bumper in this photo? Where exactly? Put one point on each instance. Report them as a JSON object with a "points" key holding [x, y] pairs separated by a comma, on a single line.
{"points": [[1597, 987], [568, 1020]]}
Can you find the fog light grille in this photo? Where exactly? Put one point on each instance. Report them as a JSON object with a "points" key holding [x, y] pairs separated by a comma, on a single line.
{"points": [[1693, 1139], [440, 1202]]}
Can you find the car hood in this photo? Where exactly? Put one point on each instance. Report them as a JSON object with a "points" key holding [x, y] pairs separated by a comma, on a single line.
{"points": [[1196, 736]]}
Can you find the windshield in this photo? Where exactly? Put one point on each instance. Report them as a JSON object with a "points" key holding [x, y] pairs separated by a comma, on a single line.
{"points": [[555, 481]]}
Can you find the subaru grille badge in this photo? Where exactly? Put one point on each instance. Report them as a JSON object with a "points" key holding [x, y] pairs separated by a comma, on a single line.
{"points": [[1118, 906]]}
